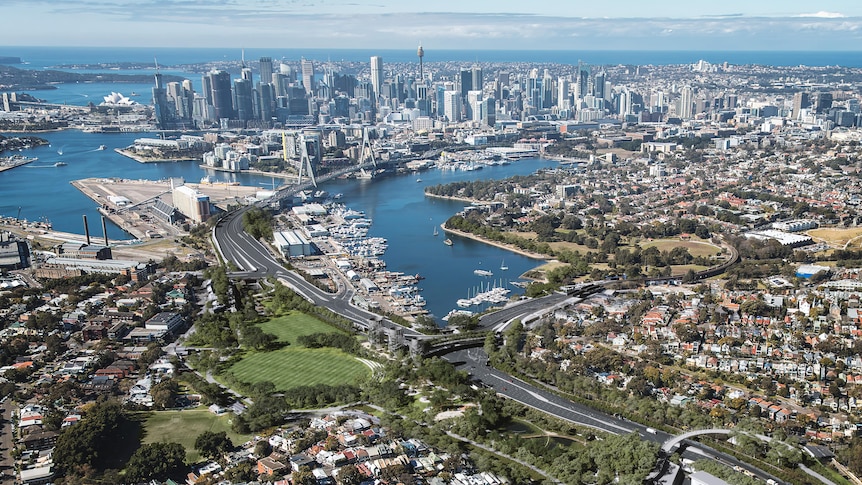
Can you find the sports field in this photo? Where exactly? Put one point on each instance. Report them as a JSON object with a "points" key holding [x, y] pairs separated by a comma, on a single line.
{"points": [[695, 248], [297, 366], [185, 426]]}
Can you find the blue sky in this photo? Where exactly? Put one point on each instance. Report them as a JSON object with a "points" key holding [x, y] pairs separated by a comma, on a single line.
{"points": [[438, 24]]}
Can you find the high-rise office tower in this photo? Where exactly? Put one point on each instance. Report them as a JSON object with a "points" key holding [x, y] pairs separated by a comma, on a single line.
{"points": [[440, 100], [266, 93], [686, 95], [307, 75], [821, 102], [564, 101], [377, 74], [452, 105], [207, 89], [288, 71], [547, 90], [222, 98], [178, 98], [160, 103], [478, 80], [599, 85], [489, 112], [265, 70], [466, 78], [244, 106], [800, 101], [473, 107], [582, 83]]}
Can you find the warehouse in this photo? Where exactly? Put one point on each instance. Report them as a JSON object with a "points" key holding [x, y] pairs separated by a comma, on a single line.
{"points": [[292, 244]]}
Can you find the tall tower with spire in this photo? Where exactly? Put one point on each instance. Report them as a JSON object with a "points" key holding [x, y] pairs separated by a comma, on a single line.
{"points": [[421, 53], [160, 101]]}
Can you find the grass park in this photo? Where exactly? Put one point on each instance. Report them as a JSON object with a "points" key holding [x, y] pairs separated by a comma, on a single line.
{"points": [[293, 365], [695, 248], [841, 238], [185, 426]]}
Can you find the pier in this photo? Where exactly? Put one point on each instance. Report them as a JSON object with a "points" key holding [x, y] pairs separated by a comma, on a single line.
{"points": [[8, 163]]}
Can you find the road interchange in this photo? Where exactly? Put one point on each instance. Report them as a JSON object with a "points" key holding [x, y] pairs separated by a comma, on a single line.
{"points": [[254, 260]]}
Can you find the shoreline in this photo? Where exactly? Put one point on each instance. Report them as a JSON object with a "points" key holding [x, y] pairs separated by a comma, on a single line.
{"points": [[115, 218], [507, 247], [459, 199], [285, 176], [140, 159]]}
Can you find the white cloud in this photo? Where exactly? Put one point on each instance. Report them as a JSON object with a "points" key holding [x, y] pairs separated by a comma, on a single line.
{"points": [[823, 15]]}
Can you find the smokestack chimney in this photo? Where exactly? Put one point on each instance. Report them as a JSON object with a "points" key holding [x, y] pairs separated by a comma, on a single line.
{"points": [[105, 230], [86, 230]]}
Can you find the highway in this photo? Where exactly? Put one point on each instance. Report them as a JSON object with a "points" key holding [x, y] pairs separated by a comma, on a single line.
{"points": [[473, 361], [255, 261]]}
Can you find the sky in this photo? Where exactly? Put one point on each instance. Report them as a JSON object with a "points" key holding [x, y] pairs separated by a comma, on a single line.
{"points": [[438, 24]]}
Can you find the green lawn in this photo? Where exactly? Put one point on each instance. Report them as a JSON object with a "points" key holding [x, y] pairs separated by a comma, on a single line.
{"points": [[295, 324], [295, 366], [185, 426], [695, 248]]}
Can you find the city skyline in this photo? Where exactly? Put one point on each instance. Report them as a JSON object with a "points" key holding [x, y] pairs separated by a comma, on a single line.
{"points": [[480, 25]]}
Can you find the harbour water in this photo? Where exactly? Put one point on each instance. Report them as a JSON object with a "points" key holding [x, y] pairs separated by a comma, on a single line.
{"points": [[42, 190], [400, 211]]}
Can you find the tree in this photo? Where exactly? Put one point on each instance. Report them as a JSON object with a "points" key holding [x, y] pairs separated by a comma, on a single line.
{"points": [[303, 477], [212, 445], [90, 443], [165, 393], [157, 461], [349, 475], [262, 448]]}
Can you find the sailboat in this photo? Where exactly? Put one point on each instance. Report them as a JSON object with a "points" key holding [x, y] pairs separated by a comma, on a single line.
{"points": [[503, 266], [435, 231]]}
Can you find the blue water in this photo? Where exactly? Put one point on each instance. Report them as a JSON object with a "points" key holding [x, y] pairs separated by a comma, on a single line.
{"points": [[406, 218], [82, 94], [47, 56], [400, 211], [43, 191]]}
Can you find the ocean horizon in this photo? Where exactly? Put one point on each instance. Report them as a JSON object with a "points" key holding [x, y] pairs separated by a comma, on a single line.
{"points": [[46, 56]]}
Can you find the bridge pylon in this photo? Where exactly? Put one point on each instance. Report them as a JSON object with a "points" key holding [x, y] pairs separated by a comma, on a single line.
{"points": [[366, 145]]}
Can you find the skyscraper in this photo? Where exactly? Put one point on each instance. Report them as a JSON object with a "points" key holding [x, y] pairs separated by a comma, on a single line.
{"points": [[452, 105], [489, 112], [599, 85], [307, 75], [376, 74], [685, 102], [800, 101], [160, 103], [564, 101], [466, 79], [582, 83], [265, 70], [478, 81], [244, 106], [473, 107], [222, 99]]}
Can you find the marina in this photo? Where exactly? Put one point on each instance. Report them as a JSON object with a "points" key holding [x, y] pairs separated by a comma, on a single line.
{"points": [[396, 205]]}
